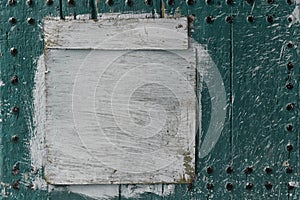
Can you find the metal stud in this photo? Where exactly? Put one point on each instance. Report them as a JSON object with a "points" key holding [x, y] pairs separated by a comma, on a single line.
{"points": [[289, 127], [250, 1], [270, 1], [15, 169], [49, 2], [14, 138], [129, 3], [290, 2], [29, 2], [290, 19], [109, 2], [209, 2], [15, 110], [229, 186], [14, 79], [148, 2], [209, 19], [229, 19], [290, 187], [209, 170], [30, 21], [12, 20], [268, 170], [268, 185], [71, 2], [289, 170], [270, 19], [190, 2], [209, 186], [249, 186], [229, 170], [290, 45], [289, 86], [16, 185], [250, 18], [248, 170], [171, 2], [290, 106], [13, 51], [289, 147], [229, 2], [11, 2], [290, 66]]}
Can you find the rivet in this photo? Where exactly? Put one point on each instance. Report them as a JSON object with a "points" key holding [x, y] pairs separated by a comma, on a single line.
{"points": [[289, 147], [11, 2], [12, 20], [270, 1], [29, 2], [229, 170], [129, 3], [109, 2], [290, 19], [14, 79], [15, 185], [229, 19], [249, 186], [15, 110], [268, 170], [290, 66], [229, 186], [250, 18], [248, 170], [71, 2], [290, 45], [148, 2], [268, 185], [31, 186], [270, 19], [289, 170], [14, 138], [209, 19], [289, 2], [229, 2], [30, 21], [171, 2], [289, 127], [209, 186], [209, 170], [289, 106], [49, 2], [290, 187], [209, 2], [13, 51], [15, 169], [190, 2], [250, 1], [289, 86]]}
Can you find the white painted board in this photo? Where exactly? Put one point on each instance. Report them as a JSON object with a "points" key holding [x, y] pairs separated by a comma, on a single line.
{"points": [[117, 34], [120, 102], [117, 117]]}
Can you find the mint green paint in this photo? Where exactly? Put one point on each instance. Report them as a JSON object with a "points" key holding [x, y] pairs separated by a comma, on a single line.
{"points": [[252, 60]]}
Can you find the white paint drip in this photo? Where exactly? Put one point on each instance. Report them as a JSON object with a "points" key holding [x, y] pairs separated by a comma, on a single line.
{"points": [[1, 83]]}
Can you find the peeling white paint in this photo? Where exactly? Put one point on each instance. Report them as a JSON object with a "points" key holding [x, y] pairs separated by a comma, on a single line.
{"points": [[100, 192], [37, 148], [295, 15], [1, 83]]}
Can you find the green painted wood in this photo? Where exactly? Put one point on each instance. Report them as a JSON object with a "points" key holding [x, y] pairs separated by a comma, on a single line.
{"points": [[260, 55], [252, 59]]}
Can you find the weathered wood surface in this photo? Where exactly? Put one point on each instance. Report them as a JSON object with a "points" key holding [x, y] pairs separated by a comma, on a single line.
{"points": [[120, 121], [117, 33]]}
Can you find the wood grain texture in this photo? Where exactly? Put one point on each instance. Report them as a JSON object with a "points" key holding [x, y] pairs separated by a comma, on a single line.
{"points": [[117, 33], [127, 121]]}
